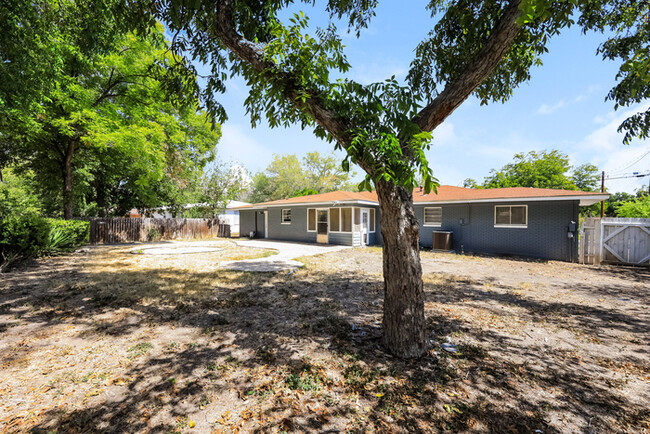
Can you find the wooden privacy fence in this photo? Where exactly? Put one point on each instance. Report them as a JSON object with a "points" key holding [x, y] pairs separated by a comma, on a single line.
{"points": [[615, 241], [124, 230]]}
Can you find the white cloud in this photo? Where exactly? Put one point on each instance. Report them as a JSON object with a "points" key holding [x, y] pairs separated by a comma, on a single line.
{"points": [[546, 109], [605, 149]]}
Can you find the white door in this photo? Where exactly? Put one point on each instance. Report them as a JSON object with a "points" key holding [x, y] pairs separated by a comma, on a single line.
{"points": [[364, 227], [322, 226]]}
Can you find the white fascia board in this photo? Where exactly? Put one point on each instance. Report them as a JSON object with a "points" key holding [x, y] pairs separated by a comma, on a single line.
{"points": [[584, 200], [334, 204]]}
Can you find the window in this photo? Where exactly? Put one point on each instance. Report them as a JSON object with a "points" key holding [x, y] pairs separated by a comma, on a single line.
{"points": [[357, 216], [334, 220], [372, 219], [511, 216], [433, 216], [311, 220], [286, 216], [346, 219]]}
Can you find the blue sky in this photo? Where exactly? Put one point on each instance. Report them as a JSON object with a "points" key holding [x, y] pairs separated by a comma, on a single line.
{"points": [[562, 107]]}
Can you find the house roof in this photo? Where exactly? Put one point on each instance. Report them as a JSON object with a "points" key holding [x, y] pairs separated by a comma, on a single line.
{"points": [[347, 197], [445, 194]]}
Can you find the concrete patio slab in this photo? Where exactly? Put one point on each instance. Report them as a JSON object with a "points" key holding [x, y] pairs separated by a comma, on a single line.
{"points": [[283, 261]]}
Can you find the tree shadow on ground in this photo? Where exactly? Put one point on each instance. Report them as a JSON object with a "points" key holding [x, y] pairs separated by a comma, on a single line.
{"points": [[302, 352]]}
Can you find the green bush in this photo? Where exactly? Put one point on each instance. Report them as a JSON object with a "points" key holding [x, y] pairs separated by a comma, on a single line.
{"points": [[66, 235], [23, 232]]}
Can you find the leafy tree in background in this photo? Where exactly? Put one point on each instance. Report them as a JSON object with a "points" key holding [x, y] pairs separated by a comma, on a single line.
{"points": [[286, 177], [637, 208], [541, 170], [86, 135], [218, 186], [619, 199], [39, 41], [96, 108], [324, 173], [485, 48]]}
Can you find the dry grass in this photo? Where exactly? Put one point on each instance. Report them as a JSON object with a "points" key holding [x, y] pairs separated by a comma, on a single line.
{"points": [[114, 341]]}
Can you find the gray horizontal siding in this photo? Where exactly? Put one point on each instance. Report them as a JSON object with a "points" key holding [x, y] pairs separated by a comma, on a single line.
{"points": [[295, 231], [545, 237], [341, 238], [247, 222]]}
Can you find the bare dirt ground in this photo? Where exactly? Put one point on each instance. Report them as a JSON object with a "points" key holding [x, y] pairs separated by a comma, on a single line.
{"points": [[111, 341]]}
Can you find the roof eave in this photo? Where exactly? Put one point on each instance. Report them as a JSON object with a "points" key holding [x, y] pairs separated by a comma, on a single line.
{"points": [[329, 203], [584, 199]]}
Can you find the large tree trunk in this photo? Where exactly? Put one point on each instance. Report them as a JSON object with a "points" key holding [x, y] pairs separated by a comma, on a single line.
{"points": [[68, 199], [404, 323]]}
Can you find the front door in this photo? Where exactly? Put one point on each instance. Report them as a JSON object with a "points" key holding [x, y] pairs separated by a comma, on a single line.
{"points": [[322, 226], [364, 227]]}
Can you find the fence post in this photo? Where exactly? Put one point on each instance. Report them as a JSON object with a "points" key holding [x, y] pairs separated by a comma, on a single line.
{"points": [[598, 241]]}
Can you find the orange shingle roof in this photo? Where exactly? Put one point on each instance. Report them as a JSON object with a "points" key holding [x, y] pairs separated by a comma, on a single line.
{"points": [[446, 193], [451, 193]]}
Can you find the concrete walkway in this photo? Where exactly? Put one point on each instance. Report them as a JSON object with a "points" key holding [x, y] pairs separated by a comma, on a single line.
{"points": [[283, 261]]}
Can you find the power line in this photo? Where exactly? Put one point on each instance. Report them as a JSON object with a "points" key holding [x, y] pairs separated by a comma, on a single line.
{"points": [[632, 163], [630, 175]]}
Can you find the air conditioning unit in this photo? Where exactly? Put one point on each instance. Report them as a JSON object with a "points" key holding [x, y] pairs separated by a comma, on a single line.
{"points": [[442, 240]]}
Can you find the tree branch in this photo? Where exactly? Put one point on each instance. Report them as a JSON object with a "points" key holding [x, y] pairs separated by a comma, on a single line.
{"points": [[485, 60], [253, 54]]}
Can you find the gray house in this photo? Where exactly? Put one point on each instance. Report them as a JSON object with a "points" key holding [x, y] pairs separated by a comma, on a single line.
{"points": [[532, 222]]}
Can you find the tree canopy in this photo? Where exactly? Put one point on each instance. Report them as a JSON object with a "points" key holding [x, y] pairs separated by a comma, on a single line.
{"points": [[95, 110], [637, 208], [541, 170], [287, 177]]}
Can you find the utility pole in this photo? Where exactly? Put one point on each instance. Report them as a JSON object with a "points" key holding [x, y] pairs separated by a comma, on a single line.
{"points": [[602, 190]]}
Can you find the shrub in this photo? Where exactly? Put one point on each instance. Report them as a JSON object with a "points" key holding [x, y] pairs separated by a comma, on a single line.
{"points": [[23, 232], [153, 234], [66, 235]]}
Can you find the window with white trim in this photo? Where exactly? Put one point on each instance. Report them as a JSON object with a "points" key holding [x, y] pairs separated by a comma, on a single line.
{"points": [[334, 220], [286, 216], [346, 219], [311, 220], [372, 219], [515, 216], [433, 216]]}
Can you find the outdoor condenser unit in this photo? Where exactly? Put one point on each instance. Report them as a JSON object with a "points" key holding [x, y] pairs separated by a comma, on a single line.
{"points": [[442, 240]]}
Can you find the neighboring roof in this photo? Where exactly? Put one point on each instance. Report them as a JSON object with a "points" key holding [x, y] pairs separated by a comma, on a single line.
{"points": [[236, 204], [445, 194], [229, 205]]}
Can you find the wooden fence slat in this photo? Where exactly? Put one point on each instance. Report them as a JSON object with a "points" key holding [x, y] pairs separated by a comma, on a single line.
{"points": [[124, 229]]}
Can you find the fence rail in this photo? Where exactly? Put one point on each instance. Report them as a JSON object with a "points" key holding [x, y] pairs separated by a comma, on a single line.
{"points": [[124, 230], [615, 241]]}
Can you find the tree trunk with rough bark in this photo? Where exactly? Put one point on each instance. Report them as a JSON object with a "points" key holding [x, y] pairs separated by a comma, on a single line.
{"points": [[404, 322], [68, 199]]}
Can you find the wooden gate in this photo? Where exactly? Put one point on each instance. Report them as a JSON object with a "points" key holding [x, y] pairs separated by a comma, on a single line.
{"points": [[615, 241]]}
